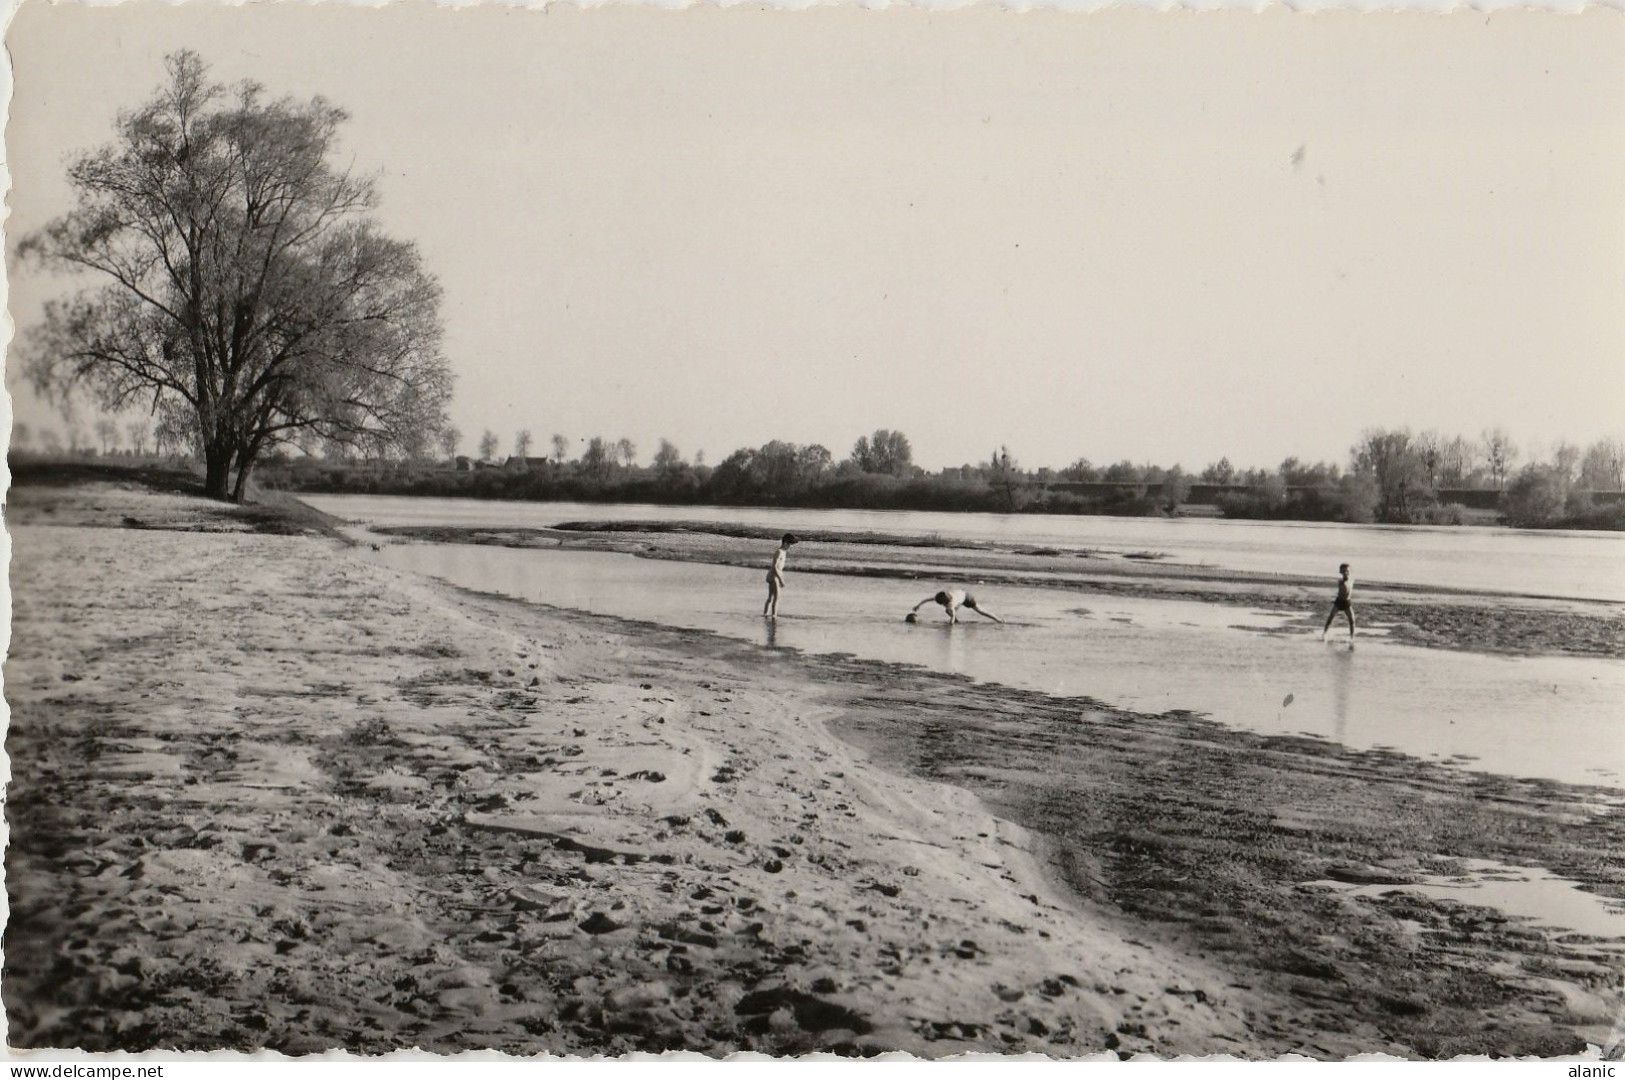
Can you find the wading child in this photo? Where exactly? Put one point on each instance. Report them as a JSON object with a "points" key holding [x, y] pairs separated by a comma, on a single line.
{"points": [[1343, 603], [775, 577]]}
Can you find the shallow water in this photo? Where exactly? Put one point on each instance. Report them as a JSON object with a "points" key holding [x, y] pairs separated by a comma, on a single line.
{"points": [[1587, 565], [1521, 892], [1555, 718]]}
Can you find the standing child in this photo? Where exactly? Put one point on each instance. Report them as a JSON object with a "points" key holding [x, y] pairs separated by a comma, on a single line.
{"points": [[775, 577], [1343, 603]]}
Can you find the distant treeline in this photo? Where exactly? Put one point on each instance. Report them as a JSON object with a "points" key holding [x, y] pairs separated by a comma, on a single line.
{"points": [[1393, 476], [728, 484]]}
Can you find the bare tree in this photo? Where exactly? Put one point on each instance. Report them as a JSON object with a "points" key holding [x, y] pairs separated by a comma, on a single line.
{"points": [[1603, 467], [1176, 488], [107, 433], [885, 451], [450, 440], [1081, 470], [1566, 463], [1004, 474], [812, 462], [488, 445], [241, 274], [597, 458], [1389, 458], [521, 443], [138, 430], [174, 434], [1122, 472], [1459, 459], [1220, 472], [1429, 447], [626, 450], [412, 446], [561, 449], [1499, 455], [668, 457]]}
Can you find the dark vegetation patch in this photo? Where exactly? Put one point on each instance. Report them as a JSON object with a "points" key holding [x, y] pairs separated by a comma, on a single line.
{"points": [[811, 1013], [1506, 629], [49, 473]]}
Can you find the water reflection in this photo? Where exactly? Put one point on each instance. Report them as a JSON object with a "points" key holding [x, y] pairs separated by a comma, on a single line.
{"points": [[1522, 892], [950, 648], [1342, 686]]}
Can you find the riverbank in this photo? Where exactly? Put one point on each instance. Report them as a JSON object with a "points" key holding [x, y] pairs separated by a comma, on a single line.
{"points": [[267, 794], [741, 484], [148, 496], [1430, 616]]}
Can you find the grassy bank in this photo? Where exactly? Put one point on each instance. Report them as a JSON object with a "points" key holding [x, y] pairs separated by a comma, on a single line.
{"points": [[157, 496]]}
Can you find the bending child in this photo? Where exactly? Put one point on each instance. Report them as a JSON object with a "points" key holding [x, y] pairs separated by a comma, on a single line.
{"points": [[953, 600]]}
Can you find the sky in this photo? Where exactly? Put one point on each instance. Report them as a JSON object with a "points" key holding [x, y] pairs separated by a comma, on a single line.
{"points": [[1166, 237]]}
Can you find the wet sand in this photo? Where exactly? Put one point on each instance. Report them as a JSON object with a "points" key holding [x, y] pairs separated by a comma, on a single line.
{"points": [[268, 794]]}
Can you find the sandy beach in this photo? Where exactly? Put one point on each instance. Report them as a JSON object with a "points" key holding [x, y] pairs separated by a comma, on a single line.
{"points": [[268, 794]]}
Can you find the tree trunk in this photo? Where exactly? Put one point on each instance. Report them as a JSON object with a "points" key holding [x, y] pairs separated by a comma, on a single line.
{"points": [[244, 466], [217, 471]]}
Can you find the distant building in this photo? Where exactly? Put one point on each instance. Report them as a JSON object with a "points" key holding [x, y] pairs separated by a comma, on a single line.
{"points": [[515, 463], [463, 463]]}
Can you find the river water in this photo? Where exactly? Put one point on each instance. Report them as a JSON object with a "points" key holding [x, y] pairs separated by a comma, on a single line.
{"points": [[1547, 717], [1583, 565]]}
